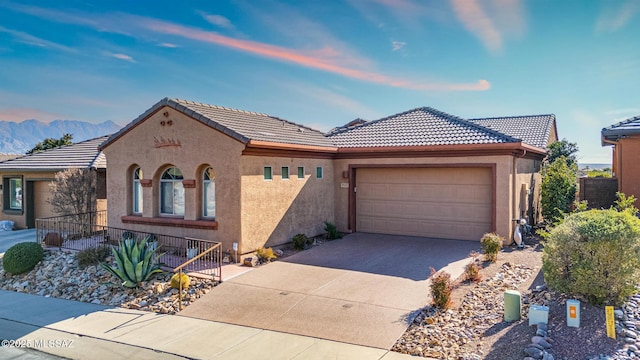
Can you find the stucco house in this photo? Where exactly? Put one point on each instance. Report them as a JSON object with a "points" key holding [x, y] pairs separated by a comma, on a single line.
{"points": [[189, 169], [26, 179], [624, 137]]}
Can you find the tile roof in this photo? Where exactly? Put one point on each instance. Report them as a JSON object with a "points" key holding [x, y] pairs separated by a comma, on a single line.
{"points": [[239, 124], [418, 127], [626, 127], [534, 130], [83, 154]]}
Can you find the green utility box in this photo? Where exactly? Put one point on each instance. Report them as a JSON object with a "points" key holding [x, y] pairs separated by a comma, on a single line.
{"points": [[512, 301]]}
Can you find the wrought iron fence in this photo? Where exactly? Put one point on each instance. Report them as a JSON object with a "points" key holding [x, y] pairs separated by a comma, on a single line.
{"points": [[202, 257]]}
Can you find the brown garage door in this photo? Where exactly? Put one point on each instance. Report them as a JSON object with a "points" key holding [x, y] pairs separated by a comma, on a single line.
{"points": [[449, 203]]}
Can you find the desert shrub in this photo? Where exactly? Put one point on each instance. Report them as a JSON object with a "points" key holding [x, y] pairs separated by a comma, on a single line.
{"points": [[22, 257], [472, 271], [92, 256], [135, 262], [301, 242], [441, 287], [265, 255], [332, 231], [595, 254], [175, 281], [491, 244]]}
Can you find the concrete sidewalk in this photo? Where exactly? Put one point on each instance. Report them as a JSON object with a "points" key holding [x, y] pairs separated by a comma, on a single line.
{"points": [[77, 330]]}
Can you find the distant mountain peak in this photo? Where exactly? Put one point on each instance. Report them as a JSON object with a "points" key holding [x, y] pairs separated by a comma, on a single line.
{"points": [[20, 137]]}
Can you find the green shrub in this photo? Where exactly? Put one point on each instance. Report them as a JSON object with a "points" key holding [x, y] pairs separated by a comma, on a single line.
{"points": [[558, 189], [626, 203], [265, 255], [135, 262], [176, 278], [441, 287], [301, 242], [596, 254], [22, 257], [491, 244], [332, 231], [92, 256]]}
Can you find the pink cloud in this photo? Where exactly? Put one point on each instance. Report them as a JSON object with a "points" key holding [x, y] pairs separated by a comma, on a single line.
{"points": [[476, 21], [21, 114], [301, 58], [124, 57]]}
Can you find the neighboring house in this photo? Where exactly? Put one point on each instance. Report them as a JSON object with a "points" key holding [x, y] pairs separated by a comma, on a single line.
{"points": [[26, 179], [625, 138], [189, 169]]}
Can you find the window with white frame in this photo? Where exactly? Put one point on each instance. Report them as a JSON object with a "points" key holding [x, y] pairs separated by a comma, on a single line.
{"points": [[268, 173], [319, 172], [137, 191], [209, 194], [285, 173], [300, 172], [171, 192]]}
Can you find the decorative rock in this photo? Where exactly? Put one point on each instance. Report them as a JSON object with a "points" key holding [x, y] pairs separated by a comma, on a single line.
{"points": [[534, 352]]}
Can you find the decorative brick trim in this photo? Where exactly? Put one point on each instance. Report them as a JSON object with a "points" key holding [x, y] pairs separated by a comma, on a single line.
{"points": [[171, 222], [189, 184], [145, 182]]}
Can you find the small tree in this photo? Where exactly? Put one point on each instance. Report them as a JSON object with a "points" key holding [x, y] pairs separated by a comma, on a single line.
{"points": [[50, 143], [558, 188], [562, 148], [73, 191]]}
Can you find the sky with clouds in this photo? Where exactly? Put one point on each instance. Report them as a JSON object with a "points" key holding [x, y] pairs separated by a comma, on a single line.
{"points": [[325, 63]]}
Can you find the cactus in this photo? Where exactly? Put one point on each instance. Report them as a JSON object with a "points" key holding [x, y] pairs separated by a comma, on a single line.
{"points": [[175, 281], [135, 262]]}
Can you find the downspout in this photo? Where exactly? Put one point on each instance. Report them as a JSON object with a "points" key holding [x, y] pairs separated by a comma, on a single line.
{"points": [[514, 211]]}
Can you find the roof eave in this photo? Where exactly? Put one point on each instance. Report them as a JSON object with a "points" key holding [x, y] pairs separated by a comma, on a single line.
{"points": [[284, 146]]}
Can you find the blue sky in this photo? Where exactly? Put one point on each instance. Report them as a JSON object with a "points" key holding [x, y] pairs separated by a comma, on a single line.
{"points": [[324, 63]]}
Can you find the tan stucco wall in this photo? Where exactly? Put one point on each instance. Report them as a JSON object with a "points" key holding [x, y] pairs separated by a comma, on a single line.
{"points": [[200, 146], [504, 166], [628, 169], [273, 211], [41, 188], [527, 190]]}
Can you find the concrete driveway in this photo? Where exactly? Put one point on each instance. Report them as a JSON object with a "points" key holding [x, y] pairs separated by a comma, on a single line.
{"points": [[10, 238], [363, 289]]}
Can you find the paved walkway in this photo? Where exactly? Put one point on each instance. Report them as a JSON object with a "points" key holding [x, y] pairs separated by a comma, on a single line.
{"points": [[76, 330], [10, 238], [364, 289]]}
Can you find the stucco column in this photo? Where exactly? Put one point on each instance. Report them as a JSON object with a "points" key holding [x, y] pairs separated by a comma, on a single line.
{"points": [[147, 198], [190, 199]]}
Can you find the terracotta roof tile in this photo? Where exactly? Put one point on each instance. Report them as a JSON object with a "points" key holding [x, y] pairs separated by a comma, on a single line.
{"points": [[418, 127], [83, 154], [534, 130]]}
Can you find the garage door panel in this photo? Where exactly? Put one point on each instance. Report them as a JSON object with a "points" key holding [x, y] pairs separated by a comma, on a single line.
{"points": [[450, 203]]}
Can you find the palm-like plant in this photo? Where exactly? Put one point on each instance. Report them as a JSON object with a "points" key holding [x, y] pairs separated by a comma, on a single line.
{"points": [[135, 261]]}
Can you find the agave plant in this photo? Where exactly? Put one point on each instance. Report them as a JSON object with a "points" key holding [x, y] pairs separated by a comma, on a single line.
{"points": [[135, 261]]}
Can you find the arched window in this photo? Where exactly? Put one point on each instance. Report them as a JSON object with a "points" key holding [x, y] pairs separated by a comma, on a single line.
{"points": [[137, 191], [171, 192], [209, 193]]}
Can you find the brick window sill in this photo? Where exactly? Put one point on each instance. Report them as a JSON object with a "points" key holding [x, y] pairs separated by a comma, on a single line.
{"points": [[170, 222]]}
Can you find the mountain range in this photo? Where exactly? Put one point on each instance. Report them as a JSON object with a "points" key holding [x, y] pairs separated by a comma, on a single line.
{"points": [[20, 137]]}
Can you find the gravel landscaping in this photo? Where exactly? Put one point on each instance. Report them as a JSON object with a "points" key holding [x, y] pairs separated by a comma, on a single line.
{"points": [[59, 275], [473, 328]]}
